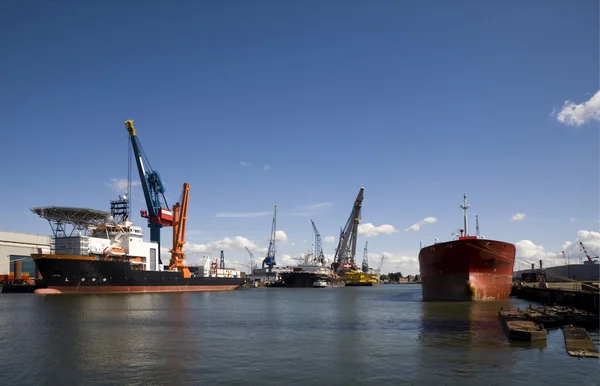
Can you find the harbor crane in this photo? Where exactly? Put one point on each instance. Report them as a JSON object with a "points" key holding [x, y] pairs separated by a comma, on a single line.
{"points": [[590, 261], [252, 264], [319, 256], [380, 264], [269, 260], [365, 262], [346, 249], [179, 223], [157, 212]]}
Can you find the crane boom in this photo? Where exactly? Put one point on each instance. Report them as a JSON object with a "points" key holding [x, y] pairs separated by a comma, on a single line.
{"points": [[269, 260], [157, 213], [380, 264], [318, 254], [179, 224], [587, 254], [365, 263], [252, 266], [346, 250]]}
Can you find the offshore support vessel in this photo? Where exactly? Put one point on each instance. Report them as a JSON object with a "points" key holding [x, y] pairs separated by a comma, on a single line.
{"points": [[470, 268], [100, 252], [105, 253]]}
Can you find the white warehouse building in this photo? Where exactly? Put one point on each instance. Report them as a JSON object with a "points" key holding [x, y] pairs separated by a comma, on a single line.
{"points": [[19, 247]]}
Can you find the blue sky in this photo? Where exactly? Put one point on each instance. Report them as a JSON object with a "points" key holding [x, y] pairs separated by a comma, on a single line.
{"points": [[417, 101]]}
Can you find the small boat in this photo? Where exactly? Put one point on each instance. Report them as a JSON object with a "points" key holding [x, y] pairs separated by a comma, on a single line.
{"points": [[321, 283]]}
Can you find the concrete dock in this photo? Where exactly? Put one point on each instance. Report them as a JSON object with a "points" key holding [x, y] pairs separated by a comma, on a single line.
{"points": [[583, 299]]}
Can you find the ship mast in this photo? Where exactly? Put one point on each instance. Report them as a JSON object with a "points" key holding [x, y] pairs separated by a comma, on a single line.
{"points": [[477, 226], [464, 207]]}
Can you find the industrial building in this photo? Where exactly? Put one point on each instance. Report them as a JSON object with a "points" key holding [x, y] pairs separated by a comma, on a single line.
{"points": [[562, 273], [18, 247]]}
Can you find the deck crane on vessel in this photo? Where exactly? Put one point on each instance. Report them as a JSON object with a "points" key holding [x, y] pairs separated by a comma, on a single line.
{"points": [[346, 249], [158, 212], [365, 263], [269, 260], [319, 256], [179, 223]]}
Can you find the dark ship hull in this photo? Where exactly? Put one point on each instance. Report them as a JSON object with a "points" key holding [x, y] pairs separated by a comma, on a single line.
{"points": [[81, 274], [468, 269]]}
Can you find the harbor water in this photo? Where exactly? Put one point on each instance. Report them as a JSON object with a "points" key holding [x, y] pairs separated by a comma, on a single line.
{"points": [[382, 335]]}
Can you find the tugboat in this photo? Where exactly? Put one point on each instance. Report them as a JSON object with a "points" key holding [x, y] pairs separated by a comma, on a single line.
{"points": [[321, 283]]}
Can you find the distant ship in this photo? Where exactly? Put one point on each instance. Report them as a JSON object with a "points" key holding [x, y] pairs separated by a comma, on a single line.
{"points": [[313, 272], [104, 255], [470, 268]]}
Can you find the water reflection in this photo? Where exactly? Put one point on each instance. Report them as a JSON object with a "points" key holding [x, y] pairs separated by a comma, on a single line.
{"points": [[467, 336]]}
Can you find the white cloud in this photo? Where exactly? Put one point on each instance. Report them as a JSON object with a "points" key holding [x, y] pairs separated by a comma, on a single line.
{"points": [[394, 262], [417, 226], [267, 167], [329, 239], [573, 114], [591, 241], [281, 236], [518, 217], [227, 243], [242, 214], [370, 230], [244, 164], [285, 260], [528, 251], [119, 185], [573, 219], [316, 206]]}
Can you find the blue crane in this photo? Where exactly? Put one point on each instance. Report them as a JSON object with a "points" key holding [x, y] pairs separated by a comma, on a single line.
{"points": [[269, 260], [158, 212]]}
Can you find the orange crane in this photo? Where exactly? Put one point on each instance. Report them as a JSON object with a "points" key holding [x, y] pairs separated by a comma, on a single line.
{"points": [[179, 222]]}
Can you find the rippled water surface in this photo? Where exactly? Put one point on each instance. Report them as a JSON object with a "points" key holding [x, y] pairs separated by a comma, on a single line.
{"points": [[276, 336]]}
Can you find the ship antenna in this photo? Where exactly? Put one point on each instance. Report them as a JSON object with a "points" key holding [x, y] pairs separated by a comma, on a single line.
{"points": [[477, 225], [464, 208]]}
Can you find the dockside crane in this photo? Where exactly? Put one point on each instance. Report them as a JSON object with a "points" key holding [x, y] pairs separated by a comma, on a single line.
{"points": [[319, 256], [380, 264], [158, 212], [179, 223], [269, 260], [365, 263], [252, 264], [590, 261], [346, 250]]}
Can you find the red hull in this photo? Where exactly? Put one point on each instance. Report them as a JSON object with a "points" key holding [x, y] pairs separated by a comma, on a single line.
{"points": [[467, 270], [134, 289]]}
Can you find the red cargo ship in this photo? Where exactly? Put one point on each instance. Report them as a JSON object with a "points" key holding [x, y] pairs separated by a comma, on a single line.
{"points": [[470, 268]]}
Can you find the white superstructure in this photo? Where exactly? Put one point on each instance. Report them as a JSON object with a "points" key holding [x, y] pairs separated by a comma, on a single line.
{"points": [[110, 240]]}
